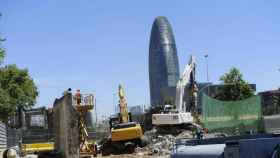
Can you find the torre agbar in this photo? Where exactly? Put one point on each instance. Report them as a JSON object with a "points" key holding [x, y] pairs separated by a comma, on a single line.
{"points": [[163, 62]]}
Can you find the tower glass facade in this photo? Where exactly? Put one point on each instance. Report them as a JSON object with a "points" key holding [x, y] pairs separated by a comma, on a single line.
{"points": [[163, 61]]}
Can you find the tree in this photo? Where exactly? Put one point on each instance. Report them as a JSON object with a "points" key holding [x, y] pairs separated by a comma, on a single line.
{"points": [[17, 90], [4, 98], [5, 107], [235, 87], [168, 100]]}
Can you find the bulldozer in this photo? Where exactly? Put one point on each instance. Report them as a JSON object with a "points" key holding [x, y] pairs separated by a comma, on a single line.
{"points": [[125, 134]]}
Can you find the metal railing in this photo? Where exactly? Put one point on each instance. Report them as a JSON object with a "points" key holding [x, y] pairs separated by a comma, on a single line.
{"points": [[85, 100]]}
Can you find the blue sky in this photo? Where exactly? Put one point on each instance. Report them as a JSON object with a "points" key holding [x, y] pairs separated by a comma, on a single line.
{"points": [[95, 45]]}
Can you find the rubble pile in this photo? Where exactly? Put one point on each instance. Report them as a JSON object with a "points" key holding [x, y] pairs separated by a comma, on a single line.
{"points": [[186, 135], [160, 145]]}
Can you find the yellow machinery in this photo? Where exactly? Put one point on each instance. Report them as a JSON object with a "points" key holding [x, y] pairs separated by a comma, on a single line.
{"points": [[83, 106], [124, 128], [125, 134], [37, 136], [36, 147]]}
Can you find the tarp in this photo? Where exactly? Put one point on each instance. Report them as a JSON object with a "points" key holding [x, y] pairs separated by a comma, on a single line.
{"points": [[232, 116]]}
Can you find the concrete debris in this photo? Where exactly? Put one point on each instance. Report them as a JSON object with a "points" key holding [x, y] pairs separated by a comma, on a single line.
{"points": [[162, 145], [185, 134], [158, 144]]}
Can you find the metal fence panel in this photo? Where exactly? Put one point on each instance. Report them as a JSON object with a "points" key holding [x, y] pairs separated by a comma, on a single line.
{"points": [[3, 136]]}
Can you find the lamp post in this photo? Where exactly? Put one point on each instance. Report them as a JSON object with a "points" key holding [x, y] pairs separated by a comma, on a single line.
{"points": [[207, 86], [207, 71]]}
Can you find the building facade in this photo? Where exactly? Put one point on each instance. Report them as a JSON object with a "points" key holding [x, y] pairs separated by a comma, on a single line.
{"points": [[270, 102], [137, 110], [163, 61]]}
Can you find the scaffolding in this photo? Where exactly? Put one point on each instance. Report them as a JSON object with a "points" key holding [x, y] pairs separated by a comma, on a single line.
{"points": [[84, 104]]}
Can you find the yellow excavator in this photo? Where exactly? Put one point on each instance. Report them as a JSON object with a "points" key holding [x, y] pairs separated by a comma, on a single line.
{"points": [[125, 134]]}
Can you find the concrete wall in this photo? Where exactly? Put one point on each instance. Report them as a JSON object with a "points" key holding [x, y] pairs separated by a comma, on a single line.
{"points": [[13, 137], [66, 129], [272, 124]]}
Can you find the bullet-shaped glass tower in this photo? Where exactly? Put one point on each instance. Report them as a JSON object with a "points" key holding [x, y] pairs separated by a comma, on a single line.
{"points": [[163, 61]]}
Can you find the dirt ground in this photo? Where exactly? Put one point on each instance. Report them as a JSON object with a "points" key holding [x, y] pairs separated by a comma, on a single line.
{"points": [[135, 156], [120, 156]]}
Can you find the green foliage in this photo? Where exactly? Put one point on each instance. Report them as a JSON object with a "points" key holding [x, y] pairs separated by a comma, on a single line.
{"points": [[168, 100], [235, 87], [17, 89], [5, 107]]}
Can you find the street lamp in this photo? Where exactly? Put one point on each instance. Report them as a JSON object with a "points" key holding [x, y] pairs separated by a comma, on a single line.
{"points": [[207, 86], [207, 71]]}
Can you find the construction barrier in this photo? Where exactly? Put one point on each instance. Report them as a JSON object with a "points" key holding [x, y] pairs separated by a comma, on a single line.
{"points": [[3, 137], [232, 116]]}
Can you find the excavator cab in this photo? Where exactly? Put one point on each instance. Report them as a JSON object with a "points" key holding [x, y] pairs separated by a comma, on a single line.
{"points": [[115, 120], [167, 108]]}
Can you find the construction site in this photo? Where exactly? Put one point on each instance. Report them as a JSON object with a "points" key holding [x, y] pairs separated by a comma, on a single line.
{"points": [[225, 129], [185, 117]]}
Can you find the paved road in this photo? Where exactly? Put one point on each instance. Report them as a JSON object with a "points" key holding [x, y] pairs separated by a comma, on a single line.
{"points": [[134, 156]]}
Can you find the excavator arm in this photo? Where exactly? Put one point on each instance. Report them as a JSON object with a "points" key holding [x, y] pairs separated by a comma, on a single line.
{"points": [[188, 76], [124, 115]]}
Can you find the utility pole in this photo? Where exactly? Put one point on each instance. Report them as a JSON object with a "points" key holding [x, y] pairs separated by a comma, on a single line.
{"points": [[95, 106], [207, 72], [278, 71]]}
